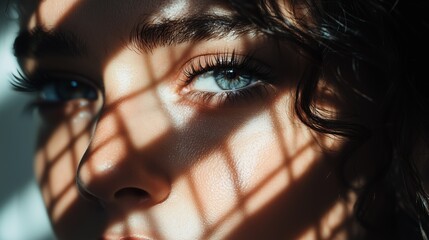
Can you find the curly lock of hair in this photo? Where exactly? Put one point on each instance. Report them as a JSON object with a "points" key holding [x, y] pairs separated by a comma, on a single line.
{"points": [[384, 44]]}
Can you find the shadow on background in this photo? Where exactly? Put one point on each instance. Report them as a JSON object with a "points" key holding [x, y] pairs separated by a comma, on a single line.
{"points": [[22, 215]]}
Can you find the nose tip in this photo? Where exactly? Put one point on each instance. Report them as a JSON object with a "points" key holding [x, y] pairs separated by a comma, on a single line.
{"points": [[118, 189], [123, 188], [124, 181], [114, 171]]}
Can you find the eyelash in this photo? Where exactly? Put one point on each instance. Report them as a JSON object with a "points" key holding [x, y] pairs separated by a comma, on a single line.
{"points": [[222, 61], [22, 83]]}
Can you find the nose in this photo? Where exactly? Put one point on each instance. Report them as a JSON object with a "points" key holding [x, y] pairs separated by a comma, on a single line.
{"points": [[114, 171]]}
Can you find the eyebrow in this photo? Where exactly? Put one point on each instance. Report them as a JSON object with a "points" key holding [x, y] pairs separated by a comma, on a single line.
{"points": [[144, 36], [42, 43]]}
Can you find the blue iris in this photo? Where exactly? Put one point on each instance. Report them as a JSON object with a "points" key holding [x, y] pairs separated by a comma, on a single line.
{"points": [[66, 90], [231, 79]]}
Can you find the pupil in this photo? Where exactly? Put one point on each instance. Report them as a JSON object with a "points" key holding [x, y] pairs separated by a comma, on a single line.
{"points": [[73, 84], [230, 74]]}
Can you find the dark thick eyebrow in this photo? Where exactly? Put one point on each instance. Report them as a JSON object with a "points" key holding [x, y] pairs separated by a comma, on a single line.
{"points": [[146, 36], [42, 43]]}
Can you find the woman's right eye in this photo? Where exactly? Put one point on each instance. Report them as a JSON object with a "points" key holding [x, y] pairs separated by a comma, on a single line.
{"points": [[57, 88], [58, 91]]}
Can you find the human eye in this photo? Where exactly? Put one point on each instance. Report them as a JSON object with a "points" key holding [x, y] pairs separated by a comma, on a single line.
{"points": [[55, 91], [225, 79]]}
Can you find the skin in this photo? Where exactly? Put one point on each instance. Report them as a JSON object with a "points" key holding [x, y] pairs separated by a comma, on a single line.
{"points": [[147, 161]]}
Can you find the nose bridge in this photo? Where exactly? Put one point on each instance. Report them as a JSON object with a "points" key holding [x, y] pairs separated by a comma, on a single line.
{"points": [[115, 165], [132, 95]]}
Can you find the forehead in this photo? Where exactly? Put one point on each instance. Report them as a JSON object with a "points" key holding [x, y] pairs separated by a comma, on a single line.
{"points": [[111, 14], [105, 25]]}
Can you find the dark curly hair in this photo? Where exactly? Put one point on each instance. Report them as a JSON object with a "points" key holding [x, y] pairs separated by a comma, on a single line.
{"points": [[373, 52]]}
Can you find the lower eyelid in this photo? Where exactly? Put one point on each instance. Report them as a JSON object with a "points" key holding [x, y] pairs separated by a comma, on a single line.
{"points": [[60, 112], [255, 94]]}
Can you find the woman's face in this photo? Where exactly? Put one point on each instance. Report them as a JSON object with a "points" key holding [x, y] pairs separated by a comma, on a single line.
{"points": [[174, 120]]}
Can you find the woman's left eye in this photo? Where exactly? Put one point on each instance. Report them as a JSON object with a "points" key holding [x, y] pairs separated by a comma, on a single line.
{"points": [[228, 79], [216, 80]]}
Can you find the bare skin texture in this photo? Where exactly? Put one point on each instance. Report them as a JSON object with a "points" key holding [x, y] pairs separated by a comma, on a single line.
{"points": [[138, 139]]}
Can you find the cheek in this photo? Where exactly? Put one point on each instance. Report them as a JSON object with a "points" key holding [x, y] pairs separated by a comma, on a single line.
{"points": [[60, 149], [251, 168]]}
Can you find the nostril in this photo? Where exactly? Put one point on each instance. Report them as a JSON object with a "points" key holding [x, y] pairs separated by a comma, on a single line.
{"points": [[131, 193]]}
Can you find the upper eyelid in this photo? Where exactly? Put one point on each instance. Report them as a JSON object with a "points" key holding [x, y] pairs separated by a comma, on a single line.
{"points": [[246, 61], [80, 77]]}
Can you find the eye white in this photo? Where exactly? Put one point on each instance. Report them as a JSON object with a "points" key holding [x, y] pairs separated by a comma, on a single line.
{"points": [[206, 82]]}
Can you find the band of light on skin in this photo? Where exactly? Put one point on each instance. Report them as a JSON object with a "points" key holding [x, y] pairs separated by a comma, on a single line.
{"points": [[140, 90], [177, 206], [57, 193], [220, 217], [52, 12], [329, 223]]}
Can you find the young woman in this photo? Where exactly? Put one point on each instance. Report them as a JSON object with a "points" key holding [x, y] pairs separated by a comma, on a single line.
{"points": [[213, 119]]}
